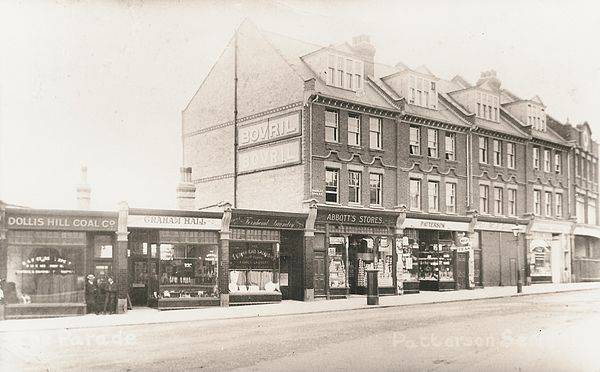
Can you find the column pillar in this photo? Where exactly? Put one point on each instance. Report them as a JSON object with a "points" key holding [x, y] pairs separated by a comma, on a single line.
{"points": [[308, 256], [398, 234], [223, 274], [474, 243], [120, 253], [3, 241]]}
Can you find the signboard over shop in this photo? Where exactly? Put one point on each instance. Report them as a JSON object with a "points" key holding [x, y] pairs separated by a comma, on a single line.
{"points": [[356, 218], [173, 222], [245, 220], [269, 156], [26, 221], [271, 129], [417, 223]]}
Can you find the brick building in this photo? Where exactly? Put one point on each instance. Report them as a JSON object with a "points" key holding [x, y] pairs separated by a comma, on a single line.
{"points": [[437, 183]]}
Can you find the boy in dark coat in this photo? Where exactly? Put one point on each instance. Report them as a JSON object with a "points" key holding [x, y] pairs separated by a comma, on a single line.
{"points": [[110, 299]]}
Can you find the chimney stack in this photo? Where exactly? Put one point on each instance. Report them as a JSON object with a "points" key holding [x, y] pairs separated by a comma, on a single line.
{"points": [[490, 78], [84, 192], [186, 191], [362, 46]]}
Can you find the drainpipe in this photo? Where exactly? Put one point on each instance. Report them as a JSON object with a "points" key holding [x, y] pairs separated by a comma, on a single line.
{"points": [[235, 117], [470, 168]]}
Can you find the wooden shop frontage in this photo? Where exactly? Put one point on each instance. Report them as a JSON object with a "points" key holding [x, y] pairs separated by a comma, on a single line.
{"points": [[173, 258], [46, 255], [265, 256], [349, 241]]}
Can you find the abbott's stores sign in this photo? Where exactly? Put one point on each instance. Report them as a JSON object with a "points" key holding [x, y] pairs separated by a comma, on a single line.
{"points": [[269, 156], [269, 130]]}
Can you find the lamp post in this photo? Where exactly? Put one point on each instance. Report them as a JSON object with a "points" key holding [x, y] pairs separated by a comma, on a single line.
{"points": [[516, 230]]}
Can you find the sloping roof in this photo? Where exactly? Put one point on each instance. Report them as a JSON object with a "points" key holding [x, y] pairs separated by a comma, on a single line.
{"points": [[550, 136], [504, 126], [291, 50], [462, 82], [444, 114], [370, 97]]}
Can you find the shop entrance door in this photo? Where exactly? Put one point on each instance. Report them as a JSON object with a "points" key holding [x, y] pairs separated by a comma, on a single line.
{"points": [[462, 270], [477, 267], [143, 279], [319, 273]]}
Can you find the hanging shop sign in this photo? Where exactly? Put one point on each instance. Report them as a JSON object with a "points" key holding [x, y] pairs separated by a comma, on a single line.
{"points": [[417, 223], [269, 130], [336, 240], [61, 222], [270, 156], [285, 222], [353, 218], [173, 222], [495, 226]]}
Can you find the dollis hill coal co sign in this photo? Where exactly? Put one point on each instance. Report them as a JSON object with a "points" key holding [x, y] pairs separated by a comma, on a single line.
{"points": [[58, 222]]}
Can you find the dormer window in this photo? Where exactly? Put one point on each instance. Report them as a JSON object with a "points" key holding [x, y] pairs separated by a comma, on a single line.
{"points": [[422, 92], [536, 117], [344, 72], [487, 106]]}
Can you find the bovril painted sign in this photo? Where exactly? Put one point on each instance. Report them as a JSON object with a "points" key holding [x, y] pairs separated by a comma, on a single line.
{"points": [[269, 156], [272, 129], [57, 222]]}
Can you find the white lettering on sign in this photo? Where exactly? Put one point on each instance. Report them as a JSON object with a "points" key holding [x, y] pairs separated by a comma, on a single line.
{"points": [[270, 130], [174, 222], [270, 156], [417, 223], [60, 222]]}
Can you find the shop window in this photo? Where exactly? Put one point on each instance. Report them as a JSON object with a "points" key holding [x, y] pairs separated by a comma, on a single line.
{"points": [[331, 185], [375, 182], [103, 246], [44, 273], [354, 181], [338, 258], [254, 267], [353, 129], [188, 270], [450, 148], [415, 141]]}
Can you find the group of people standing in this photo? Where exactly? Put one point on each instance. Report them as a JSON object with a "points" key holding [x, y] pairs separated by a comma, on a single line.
{"points": [[100, 294]]}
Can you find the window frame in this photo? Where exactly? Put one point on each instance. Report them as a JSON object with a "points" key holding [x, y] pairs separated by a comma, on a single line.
{"points": [[547, 161], [511, 155], [450, 155], [416, 145], [354, 189], [451, 197], [537, 202], [335, 128], [433, 198], [483, 150], [378, 133], [558, 201], [417, 194], [335, 171], [536, 158], [378, 189], [548, 204], [484, 199], [433, 143], [354, 135], [498, 201], [512, 202], [497, 151]]}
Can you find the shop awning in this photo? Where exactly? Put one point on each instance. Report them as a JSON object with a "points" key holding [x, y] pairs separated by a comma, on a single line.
{"points": [[593, 231]]}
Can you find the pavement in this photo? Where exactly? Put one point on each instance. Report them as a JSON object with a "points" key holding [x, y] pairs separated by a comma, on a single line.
{"points": [[144, 315]]}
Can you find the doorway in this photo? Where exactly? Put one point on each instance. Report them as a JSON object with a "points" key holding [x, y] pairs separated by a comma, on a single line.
{"points": [[462, 270], [319, 273]]}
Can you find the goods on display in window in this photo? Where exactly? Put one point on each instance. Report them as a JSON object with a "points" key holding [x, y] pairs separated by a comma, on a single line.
{"points": [[362, 274], [385, 272], [337, 272]]}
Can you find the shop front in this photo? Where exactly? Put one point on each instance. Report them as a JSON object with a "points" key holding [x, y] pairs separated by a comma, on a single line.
{"points": [[442, 251], [48, 255], [347, 243], [586, 253], [173, 258], [502, 253], [548, 251], [265, 256]]}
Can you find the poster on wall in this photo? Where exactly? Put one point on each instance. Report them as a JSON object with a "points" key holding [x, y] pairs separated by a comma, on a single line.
{"points": [[255, 256]]}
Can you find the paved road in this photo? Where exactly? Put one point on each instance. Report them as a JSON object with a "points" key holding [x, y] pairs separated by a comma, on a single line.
{"points": [[557, 332]]}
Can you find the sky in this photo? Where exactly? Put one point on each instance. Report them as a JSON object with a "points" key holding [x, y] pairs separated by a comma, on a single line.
{"points": [[103, 83]]}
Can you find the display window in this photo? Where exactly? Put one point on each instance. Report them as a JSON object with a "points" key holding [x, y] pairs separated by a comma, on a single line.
{"points": [[337, 253], [253, 267], [366, 252], [540, 265], [408, 258], [191, 268], [436, 254], [45, 267]]}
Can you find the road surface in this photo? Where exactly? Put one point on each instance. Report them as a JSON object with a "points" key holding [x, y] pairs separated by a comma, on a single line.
{"points": [[551, 332]]}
